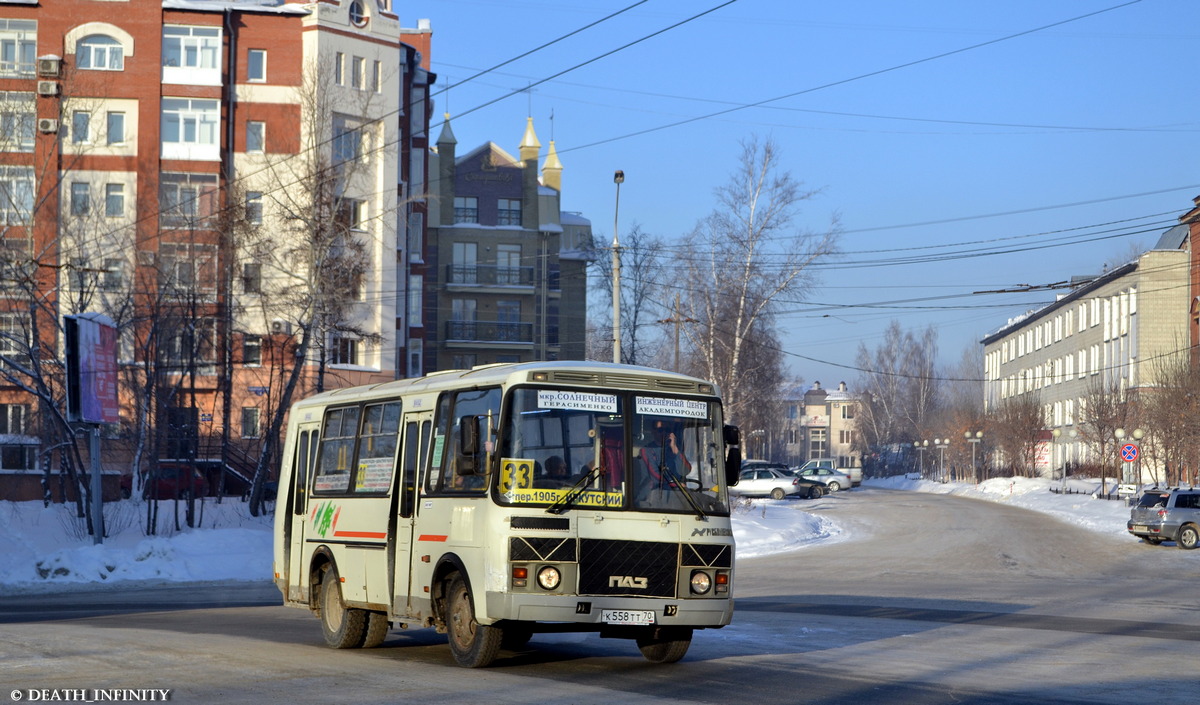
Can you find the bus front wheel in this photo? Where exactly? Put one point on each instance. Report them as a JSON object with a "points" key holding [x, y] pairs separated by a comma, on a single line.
{"points": [[665, 646], [343, 628], [474, 645]]}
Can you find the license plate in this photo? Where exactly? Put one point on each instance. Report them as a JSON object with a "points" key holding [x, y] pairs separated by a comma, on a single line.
{"points": [[1138, 528], [633, 617]]}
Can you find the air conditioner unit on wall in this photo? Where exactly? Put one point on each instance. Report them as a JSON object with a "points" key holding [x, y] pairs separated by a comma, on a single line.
{"points": [[47, 125], [49, 68], [47, 88], [281, 327]]}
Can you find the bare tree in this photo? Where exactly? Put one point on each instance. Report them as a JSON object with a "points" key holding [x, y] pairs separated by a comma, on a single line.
{"points": [[1106, 406], [643, 293], [1170, 415], [312, 242], [900, 388], [1014, 430], [741, 261]]}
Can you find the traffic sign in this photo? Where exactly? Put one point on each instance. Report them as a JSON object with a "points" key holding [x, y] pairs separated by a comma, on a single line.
{"points": [[1129, 452]]}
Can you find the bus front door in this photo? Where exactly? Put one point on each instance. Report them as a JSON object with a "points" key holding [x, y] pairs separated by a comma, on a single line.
{"points": [[303, 459], [415, 455]]}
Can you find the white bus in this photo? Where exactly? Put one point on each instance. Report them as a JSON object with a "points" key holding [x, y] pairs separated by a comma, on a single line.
{"points": [[508, 500]]}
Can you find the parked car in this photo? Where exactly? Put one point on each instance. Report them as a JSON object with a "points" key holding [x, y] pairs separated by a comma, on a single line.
{"points": [[854, 473], [834, 479], [173, 480], [769, 482], [1167, 515]]}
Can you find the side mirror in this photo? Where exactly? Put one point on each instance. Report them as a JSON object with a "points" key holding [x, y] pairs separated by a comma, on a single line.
{"points": [[733, 456], [468, 446]]}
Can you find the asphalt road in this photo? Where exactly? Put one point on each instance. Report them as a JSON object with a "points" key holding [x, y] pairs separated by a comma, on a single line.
{"points": [[929, 599]]}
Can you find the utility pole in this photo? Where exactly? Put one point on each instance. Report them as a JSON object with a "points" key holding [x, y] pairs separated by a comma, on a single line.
{"points": [[678, 319], [618, 178]]}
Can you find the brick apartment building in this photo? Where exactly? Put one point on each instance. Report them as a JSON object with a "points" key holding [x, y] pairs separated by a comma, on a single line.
{"points": [[173, 164]]}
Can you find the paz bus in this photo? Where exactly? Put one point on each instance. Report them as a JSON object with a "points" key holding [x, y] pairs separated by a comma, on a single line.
{"points": [[507, 500]]}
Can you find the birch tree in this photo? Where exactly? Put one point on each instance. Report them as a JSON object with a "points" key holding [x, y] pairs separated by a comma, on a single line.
{"points": [[739, 264]]}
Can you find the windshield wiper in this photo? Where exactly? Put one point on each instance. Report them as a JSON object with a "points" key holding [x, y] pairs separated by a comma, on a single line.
{"points": [[674, 481], [564, 503]]}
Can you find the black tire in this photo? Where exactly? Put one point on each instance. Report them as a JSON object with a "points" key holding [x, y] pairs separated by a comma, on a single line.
{"points": [[668, 647], [474, 645], [377, 630], [1152, 540], [814, 492], [343, 628], [1189, 537], [778, 493]]}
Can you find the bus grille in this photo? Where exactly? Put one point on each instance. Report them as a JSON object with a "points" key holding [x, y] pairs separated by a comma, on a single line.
{"points": [[623, 567]]}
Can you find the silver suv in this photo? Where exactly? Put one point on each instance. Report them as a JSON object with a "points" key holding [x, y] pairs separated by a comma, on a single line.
{"points": [[1167, 515]]}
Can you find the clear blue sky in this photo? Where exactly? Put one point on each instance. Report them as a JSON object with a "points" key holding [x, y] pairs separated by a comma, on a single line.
{"points": [[1021, 143]]}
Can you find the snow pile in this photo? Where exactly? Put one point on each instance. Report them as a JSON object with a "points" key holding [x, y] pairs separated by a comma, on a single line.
{"points": [[46, 548]]}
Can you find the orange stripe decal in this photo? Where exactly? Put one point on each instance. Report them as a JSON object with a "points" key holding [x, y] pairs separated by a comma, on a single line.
{"points": [[431, 537], [361, 534]]}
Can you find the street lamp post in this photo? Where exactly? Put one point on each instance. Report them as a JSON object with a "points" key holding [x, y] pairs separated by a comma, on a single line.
{"points": [[1072, 436], [942, 444], [618, 179], [922, 446], [974, 439]]}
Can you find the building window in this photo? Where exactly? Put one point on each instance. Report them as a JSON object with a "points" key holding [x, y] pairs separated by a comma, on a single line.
{"points": [[416, 294], [18, 119], [81, 198], [339, 69], [252, 278], [186, 199], [191, 47], [187, 269], [114, 200], [192, 344], [114, 274], [463, 361], [466, 209], [100, 53], [377, 76], [256, 65], [17, 453], [81, 121], [16, 195], [847, 411], [508, 212], [357, 65], [254, 207], [256, 136], [354, 213], [344, 351], [18, 47], [508, 264], [358, 14], [250, 427], [347, 140], [251, 350], [14, 334], [190, 128], [115, 129]]}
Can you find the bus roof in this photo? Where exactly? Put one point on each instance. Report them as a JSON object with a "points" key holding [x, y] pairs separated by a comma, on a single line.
{"points": [[565, 372]]}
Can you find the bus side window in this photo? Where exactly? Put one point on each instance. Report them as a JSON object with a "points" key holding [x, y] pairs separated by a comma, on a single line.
{"points": [[408, 470], [300, 475]]}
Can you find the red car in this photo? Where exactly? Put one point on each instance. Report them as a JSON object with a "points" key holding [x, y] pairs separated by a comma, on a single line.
{"points": [[173, 480]]}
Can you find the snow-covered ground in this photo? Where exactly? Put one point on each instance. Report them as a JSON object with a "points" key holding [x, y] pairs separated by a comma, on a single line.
{"points": [[44, 549]]}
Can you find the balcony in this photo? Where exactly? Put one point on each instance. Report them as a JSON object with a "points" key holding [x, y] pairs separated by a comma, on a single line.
{"points": [[489, 332], [488, 275]]}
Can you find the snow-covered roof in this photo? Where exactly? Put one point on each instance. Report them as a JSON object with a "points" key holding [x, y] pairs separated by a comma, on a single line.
{"points": [[266, 6]]}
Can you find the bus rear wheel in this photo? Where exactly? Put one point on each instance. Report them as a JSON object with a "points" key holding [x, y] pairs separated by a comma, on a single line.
{"points": [[666, 645], [344, 628], [474, 645]]}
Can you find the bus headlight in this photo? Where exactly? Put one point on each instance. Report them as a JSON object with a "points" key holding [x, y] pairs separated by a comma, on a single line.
{"points": [[548, 577], [701, 583]]}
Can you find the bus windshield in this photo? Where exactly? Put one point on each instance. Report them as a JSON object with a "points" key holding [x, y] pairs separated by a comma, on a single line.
{"points": [[618, 451]]}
